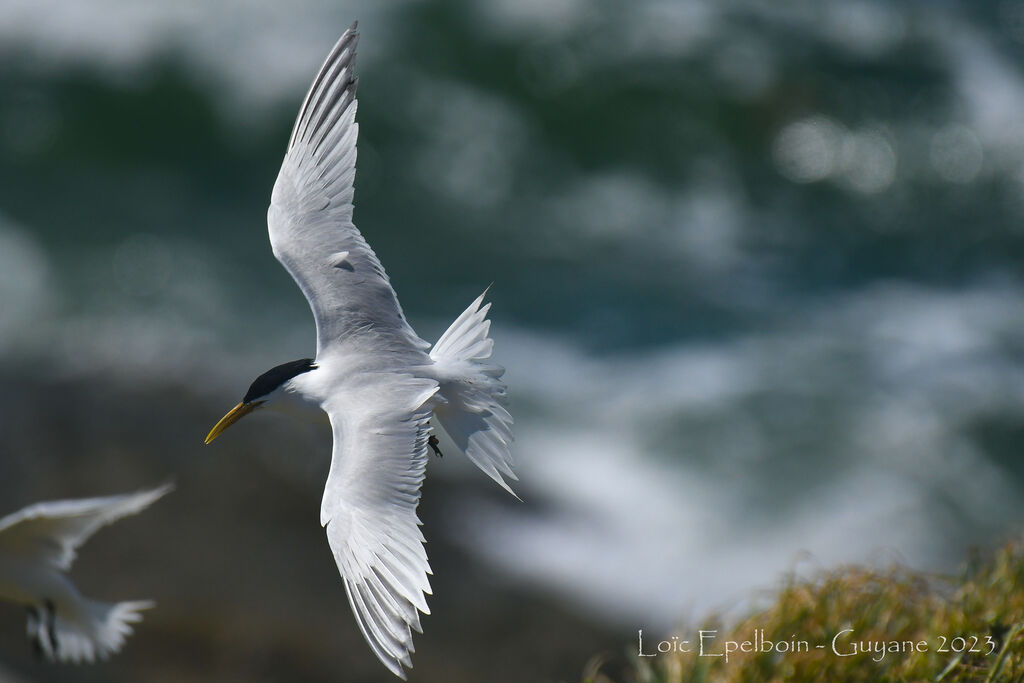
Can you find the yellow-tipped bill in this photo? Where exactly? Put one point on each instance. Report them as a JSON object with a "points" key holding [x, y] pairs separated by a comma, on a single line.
{"points": [[236, 414]]}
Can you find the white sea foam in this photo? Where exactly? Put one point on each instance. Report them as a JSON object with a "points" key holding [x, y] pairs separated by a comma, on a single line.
{"points": [[641, 519], [256, 50], [25, 285]]}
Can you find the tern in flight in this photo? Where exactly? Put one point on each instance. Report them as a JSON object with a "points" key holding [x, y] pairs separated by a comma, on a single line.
{"points": [[37, 545], [383, 388]]}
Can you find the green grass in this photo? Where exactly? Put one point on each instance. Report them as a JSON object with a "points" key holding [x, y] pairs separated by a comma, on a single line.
{"points": [[984, 604]]}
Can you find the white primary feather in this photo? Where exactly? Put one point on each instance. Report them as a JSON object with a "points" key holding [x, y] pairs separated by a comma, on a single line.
{"points": [[37, 545], [372, 373]]}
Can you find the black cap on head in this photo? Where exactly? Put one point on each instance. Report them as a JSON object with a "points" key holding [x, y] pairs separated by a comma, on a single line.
{"points": [[275, 377]]}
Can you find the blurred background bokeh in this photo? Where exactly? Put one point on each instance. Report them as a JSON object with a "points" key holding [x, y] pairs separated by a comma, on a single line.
{"points": [[757, 284]]}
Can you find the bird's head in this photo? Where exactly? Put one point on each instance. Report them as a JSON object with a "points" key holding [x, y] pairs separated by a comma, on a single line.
{"points": [[266, 390]]}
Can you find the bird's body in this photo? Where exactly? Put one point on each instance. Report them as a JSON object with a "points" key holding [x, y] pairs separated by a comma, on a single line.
{"points": [[25, 580], [37, 547], [378, 381]]}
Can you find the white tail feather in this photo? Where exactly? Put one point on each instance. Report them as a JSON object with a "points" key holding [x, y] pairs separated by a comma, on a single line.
{"points": [[86, 631], [472, 412]]}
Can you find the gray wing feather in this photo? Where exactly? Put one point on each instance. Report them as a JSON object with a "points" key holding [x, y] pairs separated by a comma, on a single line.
{"points": [[369, 509], [54, 530], [310, 217]]}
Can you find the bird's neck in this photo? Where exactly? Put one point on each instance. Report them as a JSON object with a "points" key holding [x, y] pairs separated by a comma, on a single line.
{"points": [[307, 388]]}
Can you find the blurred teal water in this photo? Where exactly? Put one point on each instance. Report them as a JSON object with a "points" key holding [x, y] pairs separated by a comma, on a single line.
{"points": [[757, 268]]}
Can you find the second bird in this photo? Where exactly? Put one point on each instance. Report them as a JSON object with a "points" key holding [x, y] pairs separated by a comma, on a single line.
{"points": [[383, 388]]}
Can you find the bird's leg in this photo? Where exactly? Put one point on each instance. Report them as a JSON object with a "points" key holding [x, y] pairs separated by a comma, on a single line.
{"points": [[432, 442], [51, 624], [35, 619]]}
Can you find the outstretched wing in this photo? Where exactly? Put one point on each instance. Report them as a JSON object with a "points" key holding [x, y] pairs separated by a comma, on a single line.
{"points": [[310, 216], [51, 532], [369, 508]]}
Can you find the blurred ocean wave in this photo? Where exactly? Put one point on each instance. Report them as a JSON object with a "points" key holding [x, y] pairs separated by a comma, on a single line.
{"points": [[859, 429], [757, 267]]}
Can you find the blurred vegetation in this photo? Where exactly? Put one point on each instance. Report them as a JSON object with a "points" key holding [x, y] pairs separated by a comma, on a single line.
{"points": [[983, 605]]}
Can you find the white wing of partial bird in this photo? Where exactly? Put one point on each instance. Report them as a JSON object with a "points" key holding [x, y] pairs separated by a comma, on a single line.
{"points": [[51, 532], [369, 508], [310, 216]]}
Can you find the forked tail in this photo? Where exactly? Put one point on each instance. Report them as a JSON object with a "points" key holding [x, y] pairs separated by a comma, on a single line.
{"points": [[83, 632], [473, 411]]}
